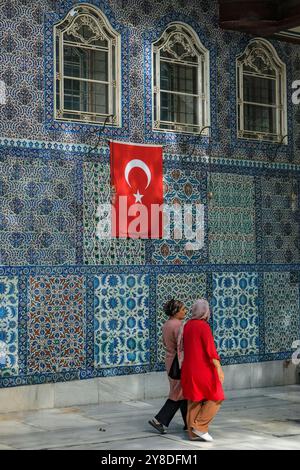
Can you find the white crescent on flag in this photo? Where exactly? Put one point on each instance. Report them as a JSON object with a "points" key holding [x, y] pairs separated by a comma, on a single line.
{"points": [[137, 164]]}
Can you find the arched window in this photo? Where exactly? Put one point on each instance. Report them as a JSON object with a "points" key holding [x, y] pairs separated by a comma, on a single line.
{"points": [[180, 81], [87, 57], [261, 93]]}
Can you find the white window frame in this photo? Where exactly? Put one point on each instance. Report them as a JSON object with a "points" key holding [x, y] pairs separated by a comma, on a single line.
{"points": [[102, 30], [195, 47], [262, 48]]}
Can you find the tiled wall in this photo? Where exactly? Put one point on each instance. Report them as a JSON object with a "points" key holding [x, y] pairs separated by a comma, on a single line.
{"points": [[74, 307]]}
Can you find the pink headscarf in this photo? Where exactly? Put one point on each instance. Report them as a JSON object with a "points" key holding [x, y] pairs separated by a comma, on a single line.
{"points": [[200, 310]]}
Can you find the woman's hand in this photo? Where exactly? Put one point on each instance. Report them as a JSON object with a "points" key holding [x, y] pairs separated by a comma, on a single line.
{"points": [[219, 370], [221, 375]]}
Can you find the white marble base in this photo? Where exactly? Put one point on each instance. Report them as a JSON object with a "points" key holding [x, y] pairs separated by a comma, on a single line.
{"points": [[80, 392], [121, 388], [137, 387], [30, 397]]}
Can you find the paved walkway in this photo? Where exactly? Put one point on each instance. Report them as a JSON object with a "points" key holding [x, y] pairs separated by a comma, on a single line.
{"points": [[267, 418]]}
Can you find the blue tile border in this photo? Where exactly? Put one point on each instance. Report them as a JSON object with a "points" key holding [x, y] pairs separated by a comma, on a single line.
{"points": [[25, 148], [89, 322], [258, 218], [96, 270], [79, 213], [153, 319], [261, 316], [23, 316]]}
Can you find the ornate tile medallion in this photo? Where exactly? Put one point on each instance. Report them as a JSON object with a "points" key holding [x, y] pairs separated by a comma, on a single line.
{"points": [[56, 324], [185, 188]]}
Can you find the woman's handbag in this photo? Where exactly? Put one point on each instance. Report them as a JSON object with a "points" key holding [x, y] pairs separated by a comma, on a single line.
{"points": [[174, 372]]}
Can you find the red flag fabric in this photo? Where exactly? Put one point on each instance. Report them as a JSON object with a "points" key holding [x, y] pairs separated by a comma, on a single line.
{"points": [[137, 178]]}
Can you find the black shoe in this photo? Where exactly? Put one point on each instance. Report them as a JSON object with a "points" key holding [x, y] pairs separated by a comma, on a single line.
{"points": [[158, 426]]}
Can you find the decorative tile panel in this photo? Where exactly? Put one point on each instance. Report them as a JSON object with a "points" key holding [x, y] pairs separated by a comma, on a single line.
{"points": [[121, 320], [280, 220], [182, 187], [38, 212], [231, 216], [235, 313], [104, 251], [56, 324], [9, 303], [184, 287], [282, 311], [52, 180]]}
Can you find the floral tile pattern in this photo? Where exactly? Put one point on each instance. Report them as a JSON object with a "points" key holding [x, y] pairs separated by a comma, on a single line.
{"points": [[235, 313], [282, 312], [121, 320], [24, 38], [96, 251], [184, 287], [280, 220], [38, 212], [181, 187], [8, 325], [231, 216], [56, 324]]}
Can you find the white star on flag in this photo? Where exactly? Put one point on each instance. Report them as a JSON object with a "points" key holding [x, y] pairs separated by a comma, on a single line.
{"points": [[138, 197]]}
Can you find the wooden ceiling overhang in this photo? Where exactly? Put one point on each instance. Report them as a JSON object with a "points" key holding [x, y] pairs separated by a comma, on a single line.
{"points": [[260, 17]]}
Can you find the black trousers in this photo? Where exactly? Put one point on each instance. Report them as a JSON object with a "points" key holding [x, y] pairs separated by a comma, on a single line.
{"points": [[167, 413]]}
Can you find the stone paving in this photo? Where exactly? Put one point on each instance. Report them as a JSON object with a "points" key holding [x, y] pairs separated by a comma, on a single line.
{"points": [[266, 418]]}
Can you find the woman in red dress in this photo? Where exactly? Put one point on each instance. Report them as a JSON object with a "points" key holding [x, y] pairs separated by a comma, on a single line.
{"points": [[201, 374]]}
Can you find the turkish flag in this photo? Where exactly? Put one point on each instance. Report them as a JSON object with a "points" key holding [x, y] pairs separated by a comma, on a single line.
{"points": [[137, 178]]}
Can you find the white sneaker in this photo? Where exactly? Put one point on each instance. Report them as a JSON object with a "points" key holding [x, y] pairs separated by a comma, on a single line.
{"points": [[204, 435]]}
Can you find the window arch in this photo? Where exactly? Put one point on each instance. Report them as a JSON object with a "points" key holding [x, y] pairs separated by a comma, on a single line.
{"points": [[261, 93], [180, 81], [87, 60]]}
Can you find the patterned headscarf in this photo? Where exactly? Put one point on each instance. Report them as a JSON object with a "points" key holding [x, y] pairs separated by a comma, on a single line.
{"points": [[200, 310]]}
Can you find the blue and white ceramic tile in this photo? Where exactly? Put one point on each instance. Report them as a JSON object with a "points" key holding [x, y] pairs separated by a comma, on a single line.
{"points": [[182, 187], [104, 251], [9, 302], [280, 220], [231, 216], [121, 320], [38, 212], [235, 313], [282, 314]]}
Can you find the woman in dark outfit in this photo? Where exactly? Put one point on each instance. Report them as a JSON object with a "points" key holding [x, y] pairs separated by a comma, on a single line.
{"points": [[176, 312]]}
